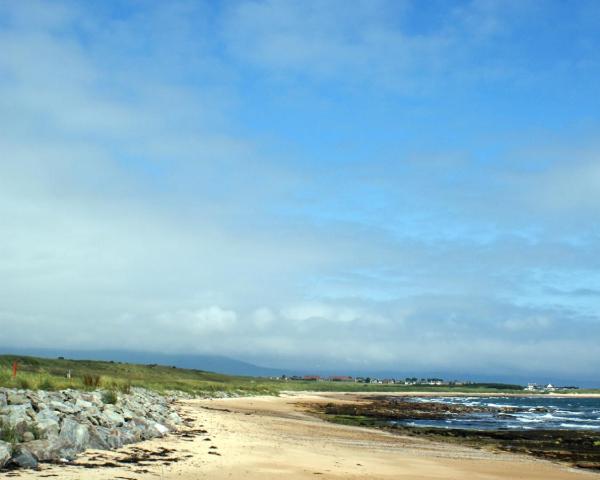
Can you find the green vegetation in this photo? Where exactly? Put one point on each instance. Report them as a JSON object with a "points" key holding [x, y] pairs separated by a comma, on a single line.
{"points": [[10, 434], [374, 387], [354, 420], [51, 374], [7, 433], [580, 390], [91, 381], [110, 397]]}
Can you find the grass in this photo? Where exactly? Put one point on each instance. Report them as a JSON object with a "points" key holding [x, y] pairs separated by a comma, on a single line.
{"points": [[110, 397], [51, 374], [325, 386], [7, 433], [91, 381], [10, 434]]}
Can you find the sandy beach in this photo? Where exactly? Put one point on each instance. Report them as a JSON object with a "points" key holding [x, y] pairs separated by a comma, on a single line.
{"points": [[273, 437]]}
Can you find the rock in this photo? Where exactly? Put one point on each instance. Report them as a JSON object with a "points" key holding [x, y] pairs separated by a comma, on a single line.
{"points": [[24, 459], [16, 414], [127, 414], [38, 400], [174, 418], [83, 404], [111, 417], [14, 398], [47, 414], [69, 421], [74, 434], [47, 426], [44, 450], [144, 429], [93, 397], [100, 439], [161, 429], [62, 407], [5, 453]]}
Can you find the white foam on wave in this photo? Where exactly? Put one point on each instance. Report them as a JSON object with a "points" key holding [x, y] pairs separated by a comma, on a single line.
{"points": [[573, 425], [529, 419]]}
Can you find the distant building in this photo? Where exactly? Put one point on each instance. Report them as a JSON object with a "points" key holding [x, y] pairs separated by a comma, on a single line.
{"points": [[341, 378], [312, 378]]}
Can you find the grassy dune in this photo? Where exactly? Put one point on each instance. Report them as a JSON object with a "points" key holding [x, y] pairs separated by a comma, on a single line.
{"points": [[51, 374]]}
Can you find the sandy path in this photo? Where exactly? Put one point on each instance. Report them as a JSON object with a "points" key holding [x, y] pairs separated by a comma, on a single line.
{"points": [[272, 438]]}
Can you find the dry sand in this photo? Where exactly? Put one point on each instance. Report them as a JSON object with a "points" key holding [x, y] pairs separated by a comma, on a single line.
{"points": [[273, 438]]}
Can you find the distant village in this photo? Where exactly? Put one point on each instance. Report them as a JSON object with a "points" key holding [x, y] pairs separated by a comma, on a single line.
{"points": [[344, 378], [532, 387]]}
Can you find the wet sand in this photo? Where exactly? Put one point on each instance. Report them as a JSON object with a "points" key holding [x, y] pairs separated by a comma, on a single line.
{"points": [[274, 438]]}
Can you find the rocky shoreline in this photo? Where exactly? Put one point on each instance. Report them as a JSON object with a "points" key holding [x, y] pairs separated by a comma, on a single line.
{"points": [[577, 448], [41, 426]]}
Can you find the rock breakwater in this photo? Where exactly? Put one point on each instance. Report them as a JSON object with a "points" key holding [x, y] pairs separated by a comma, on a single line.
{"points": [[40, 426]]}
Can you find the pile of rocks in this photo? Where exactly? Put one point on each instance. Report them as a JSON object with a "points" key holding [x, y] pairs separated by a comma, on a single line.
{"points": [[40, 426]]}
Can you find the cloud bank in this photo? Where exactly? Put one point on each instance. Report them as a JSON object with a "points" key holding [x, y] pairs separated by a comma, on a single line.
{"points": [[302, 184]]}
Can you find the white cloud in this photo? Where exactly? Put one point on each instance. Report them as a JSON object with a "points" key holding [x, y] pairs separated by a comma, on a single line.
{"points": [[370, 43], [212, 319], [574, 187], [137, 213], [536, 324], [263, 318]]}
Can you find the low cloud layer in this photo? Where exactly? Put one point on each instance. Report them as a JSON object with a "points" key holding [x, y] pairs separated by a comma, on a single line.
{"points": [[301, 184]]}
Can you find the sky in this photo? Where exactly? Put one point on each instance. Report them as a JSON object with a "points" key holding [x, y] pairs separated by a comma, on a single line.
{"points": [[376, 185]]}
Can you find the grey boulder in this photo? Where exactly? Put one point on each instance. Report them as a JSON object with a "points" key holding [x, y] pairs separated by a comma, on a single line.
{"points": [[5, 453], [14, 398], [24, 459], [111, 417], [44, 450], [74, 434]]}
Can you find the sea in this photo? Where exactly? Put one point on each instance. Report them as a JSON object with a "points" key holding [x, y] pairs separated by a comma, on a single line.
{"points": [[518, 413]]}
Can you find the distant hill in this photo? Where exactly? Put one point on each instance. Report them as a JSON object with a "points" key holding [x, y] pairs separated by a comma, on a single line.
{"points": [[230, 366], [208, 363]]}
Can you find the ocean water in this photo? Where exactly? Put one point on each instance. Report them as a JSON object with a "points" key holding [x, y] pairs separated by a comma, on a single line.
{"points": [[524, 413]]}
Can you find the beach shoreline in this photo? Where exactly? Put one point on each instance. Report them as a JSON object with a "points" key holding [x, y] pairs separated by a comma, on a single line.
{"points": [[270, 437], [447, 393]]}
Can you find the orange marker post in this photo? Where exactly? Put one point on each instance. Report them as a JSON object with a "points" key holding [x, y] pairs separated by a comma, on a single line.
{"points": [[15, 366]]}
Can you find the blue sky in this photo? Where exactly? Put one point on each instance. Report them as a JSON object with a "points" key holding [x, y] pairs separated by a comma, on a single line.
{"points": [[375, 185]]}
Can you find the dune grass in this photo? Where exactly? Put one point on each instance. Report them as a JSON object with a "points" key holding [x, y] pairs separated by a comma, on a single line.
{"points": [[51, 374]]}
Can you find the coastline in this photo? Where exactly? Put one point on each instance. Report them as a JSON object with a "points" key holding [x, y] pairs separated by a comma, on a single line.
{"points": [[269, 437], [429, 393]]}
